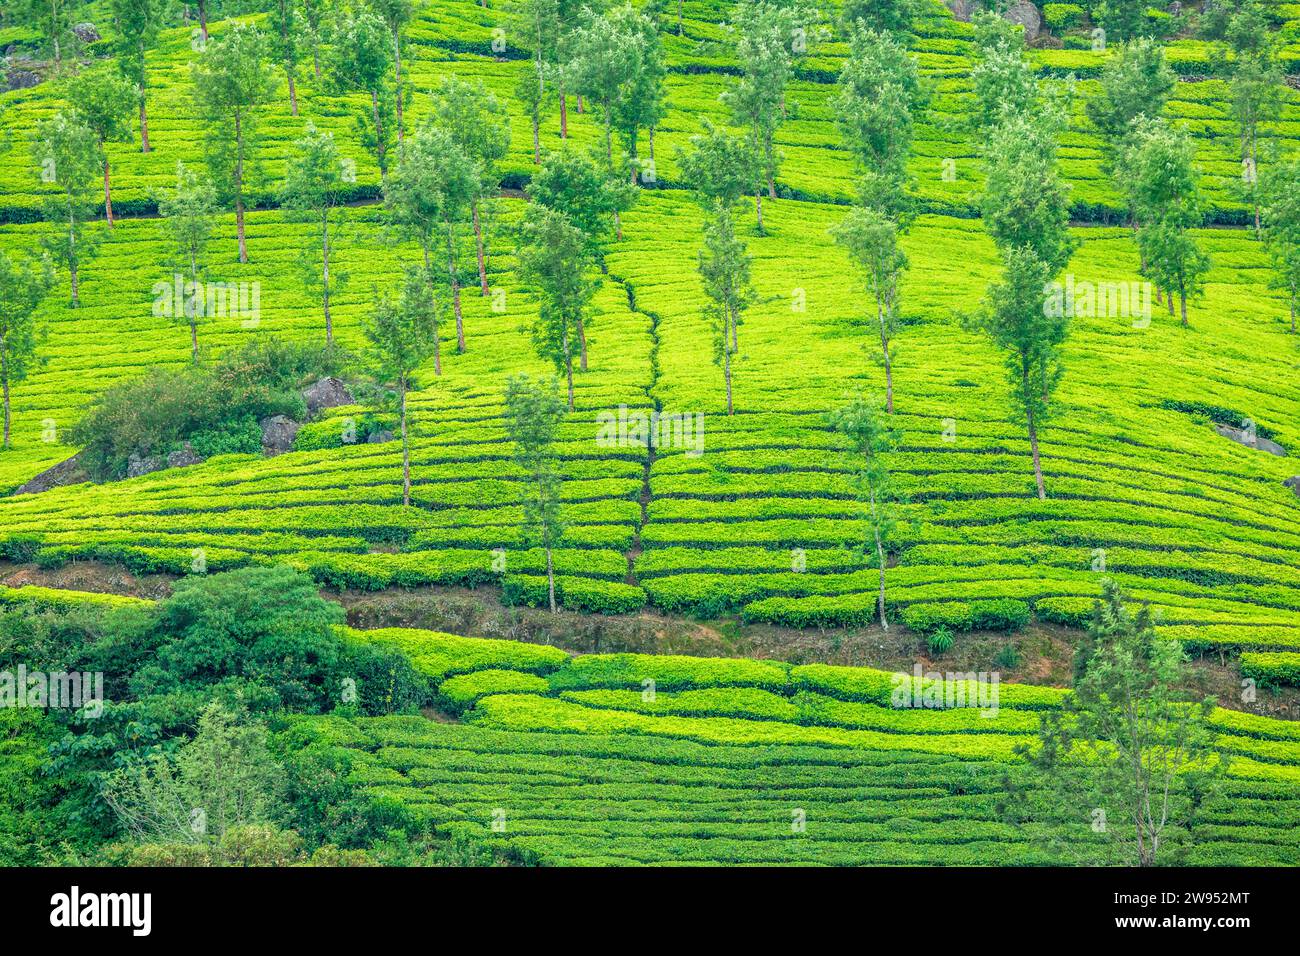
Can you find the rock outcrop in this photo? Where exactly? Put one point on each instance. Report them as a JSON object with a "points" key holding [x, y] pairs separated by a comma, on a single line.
{"points": [[1026, 14], [278, 433], [328, 392], [1247, 437], [66, 472]]}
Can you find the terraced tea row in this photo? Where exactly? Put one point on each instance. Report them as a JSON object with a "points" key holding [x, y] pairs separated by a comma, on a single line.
{"points": [[632, 759]]}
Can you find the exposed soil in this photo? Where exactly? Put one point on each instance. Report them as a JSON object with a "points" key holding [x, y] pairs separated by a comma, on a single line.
{"points": [[1045, 652]]}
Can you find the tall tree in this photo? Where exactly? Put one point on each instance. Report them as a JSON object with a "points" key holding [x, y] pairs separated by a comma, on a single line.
{"points": [[552, 259], [719, 167], [1135, 82], [1158, 163], [724, 266], [884, 16], [641, 104], [189, 216], [396, 15], [1025, 203], [869, 437], [1240, 30], [1030, 336], [1002, 77], [313, 27], [137, 23], [538, 20], [429, 195], [480, 125], [604, 58], [232, 83], [1127, 20], [587, 193], [104, 101], [871, 239], [757, 101], [67, 155], [534, 411], [1135, 85], [1129, 751], [313, 188], [22, 287], [286, 24], [879, 92], [1282, 231], [361, 57], [54, 20], [402, 335]]}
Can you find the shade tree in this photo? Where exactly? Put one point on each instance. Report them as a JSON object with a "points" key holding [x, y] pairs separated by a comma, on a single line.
{"points": [[233, 82]]}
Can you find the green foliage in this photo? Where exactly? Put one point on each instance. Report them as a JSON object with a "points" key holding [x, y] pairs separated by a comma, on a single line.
{"points": [[552, 257], [22, 287], [153, 413], [1131, 751], [533, 415], [66, 152], [939, 641]]}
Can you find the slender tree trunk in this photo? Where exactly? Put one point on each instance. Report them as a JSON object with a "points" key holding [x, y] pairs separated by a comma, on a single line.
{"points": [[618, 228], [293, 91], [315, 60], [1293, 314], [437, 343], [108, 194], [144, 125], [239, 188], [580, 109], [550, 578], [564, 115], [203, 20], [478, 242], [72, 257], [568, 364], [194, 308], [397, 74], [880, 561], [325, 276], [889, 365], [652, 144], [406, 447], [582, 345], [679, 17], [758, 206], [1033, 447], [455, 288], [726, 368], [380, 152], [537, 143], [4, 384], [1182, 305]]}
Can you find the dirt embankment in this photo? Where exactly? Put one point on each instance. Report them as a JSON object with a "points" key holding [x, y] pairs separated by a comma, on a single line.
{"points": [[1044, 653]]}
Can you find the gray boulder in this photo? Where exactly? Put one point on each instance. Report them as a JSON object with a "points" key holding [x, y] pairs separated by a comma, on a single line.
{"points": [[961, 9], [137, 465], [86, 32], [378, 438], [184, 456], [328, 392], [66, 472], [1243, 436], [278, 433], [1294, 484], [1026, 14], [23, 79]]}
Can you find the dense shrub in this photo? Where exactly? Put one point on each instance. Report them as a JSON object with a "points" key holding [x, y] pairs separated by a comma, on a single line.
{"points": [[215, 407], [1062, 16]]}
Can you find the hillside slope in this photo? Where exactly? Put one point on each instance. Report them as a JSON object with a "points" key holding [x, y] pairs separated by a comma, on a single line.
{"points": [[1137, 477]]}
